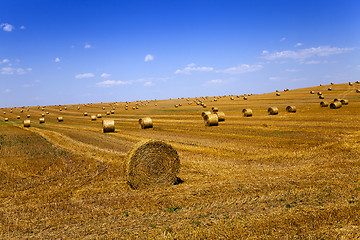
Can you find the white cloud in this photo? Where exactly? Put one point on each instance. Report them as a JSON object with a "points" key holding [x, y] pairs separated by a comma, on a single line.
{"points": [[274, 78], [57, 60], [149, 58], [215, 81], [11, 71], [299, 44], [282, 39], [105, 75], [109, 83], [148, 84], [192, 68], [302, 54], [311, 62], [7, 90], [242, 68], [84, 75], [87, 45], [4, 61], [22, 27], [7, 27], [291, 70]]}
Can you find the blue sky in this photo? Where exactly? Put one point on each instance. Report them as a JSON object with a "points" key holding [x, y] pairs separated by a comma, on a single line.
{"points": [[69, 52]]}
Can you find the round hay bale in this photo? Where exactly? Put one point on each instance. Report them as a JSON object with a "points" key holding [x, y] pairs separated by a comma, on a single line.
{"points": [[176, 106], [41, 120], [107, 113], [337, 100], [60, 119], [273, 110], [335, 105], [112, 111], [204, 113], [332, 83], [65, 108], [133, 108], [211, 120], [215, 109], [291, 109], [221, 116], [232, 98], [108, 125], [277, 94], [247, 112], [28, 116], [321, 97], [60, 109], [98, 115], [26, 123], [152, 164], [344, 101], [4, 112], [103, 108], [357, 90], [21, 111], [329, 89], [286, 89], [47, 112], [85, 114], [11, 111], [319, 93], [350, 84], [17, 117], [6, 119], [245, 98], [146, 123], [93, 118], [43, 115], [324, 104], [204, 105], [312, 92]]}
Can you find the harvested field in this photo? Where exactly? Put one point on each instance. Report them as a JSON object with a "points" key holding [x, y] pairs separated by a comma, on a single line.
{"points": [[289, 176]]}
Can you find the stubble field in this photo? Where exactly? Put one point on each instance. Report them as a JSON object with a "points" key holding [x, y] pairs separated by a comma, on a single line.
{"points": [[285, 176]]}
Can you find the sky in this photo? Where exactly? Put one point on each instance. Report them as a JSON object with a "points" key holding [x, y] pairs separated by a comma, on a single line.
{"points": [[70, 52]]}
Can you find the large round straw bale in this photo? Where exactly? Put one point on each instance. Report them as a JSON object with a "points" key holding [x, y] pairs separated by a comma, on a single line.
{"points": [[321, 97], [18, 117], [312, 92], [93, 117], [335, 105], [6, 119], [247, 112], [43, 115], [4, 112], [103, 108], [332, 83], [273, 110], [329, 89], [215, 109], [277, 94], [357, 82], [221, 116], [108, 125], [85, 113], [65, 108], [60, 109], [21, 110], [98, 115], [107, 113], [41, 120], [28, 116], [324, 104], [350, 84], [176, 106], [27, 123], [358, 90], [211, 120], [319, 93], [47, 112], [344, 101], [112, 111], [204, 105], [336, 99], [133, 108], [152, 164], [145, 123], [205, 113], [291, 109], [60, 119], [232, 98], [245, 98]]}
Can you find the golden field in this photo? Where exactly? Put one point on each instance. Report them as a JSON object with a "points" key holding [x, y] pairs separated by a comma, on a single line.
{"points": [[285, 176]]}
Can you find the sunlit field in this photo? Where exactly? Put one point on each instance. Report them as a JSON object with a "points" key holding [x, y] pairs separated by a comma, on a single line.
{"points": [[285, 176]]}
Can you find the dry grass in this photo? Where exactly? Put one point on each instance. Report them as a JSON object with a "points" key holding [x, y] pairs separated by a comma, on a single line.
{"points": [[290, 176]]}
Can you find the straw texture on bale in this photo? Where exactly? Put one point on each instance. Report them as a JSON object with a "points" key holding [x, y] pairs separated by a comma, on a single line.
{"points": [[152, 164], [221, 116], [247, 112], [335, 105], [273, 110], [344, 101], [60, 119], [291, 109], [93, 118], [204, 113], [146, 123], [211, 120], [42, 120], [108, 125], [27, 123], [324, 104]]}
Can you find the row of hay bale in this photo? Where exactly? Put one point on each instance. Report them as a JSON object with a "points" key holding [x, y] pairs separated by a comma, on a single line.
{"points": [[213, 118], [27, 122]]}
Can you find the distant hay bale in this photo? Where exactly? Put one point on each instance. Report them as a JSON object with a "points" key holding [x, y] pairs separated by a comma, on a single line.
{"points": [[319, 93], [329, 89], [65, 108], [350, 84], [4, 113], [215, 99], [336, 99], [41, 120], [133, 108], [103, 108], [26, 123], [357, 90], [324, 104], [232, 98], [93, 118], [98, 115], [291, 109], [221, 116], [112, 111], [215, 109], [47, 112], [78, 108], [332, 83], [204, 113], [28, 116], [108, 125], [321, 97], [107, 113], [245, 98], [277, 94], [146, 122], [17, 117], [6, 119], [247, 112], [335, 105], [11, 111], [273, 110], [204, 105], [312, 92], [344, 101], [43, 115], [180, 104], [60, 109], [286, 89], [211, 120], [85, 114], [176, 106], [60, 119], [152, 164], [277, 91], [21, 110]]}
